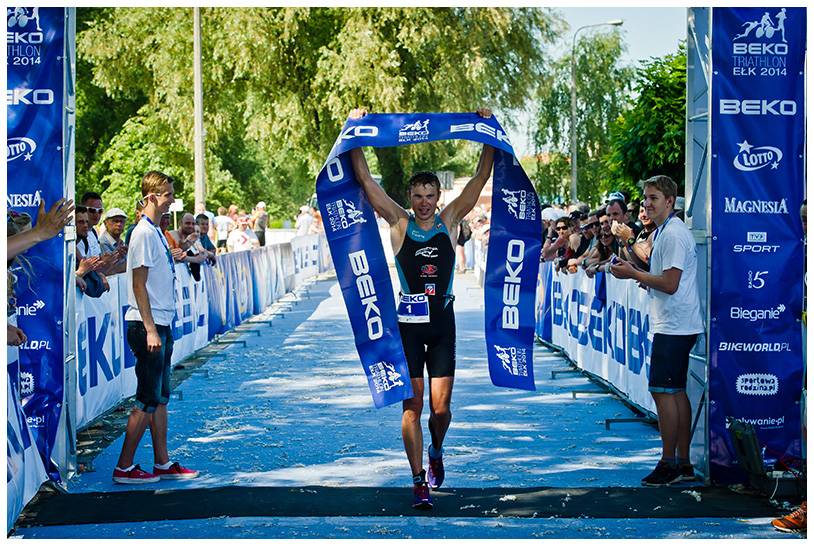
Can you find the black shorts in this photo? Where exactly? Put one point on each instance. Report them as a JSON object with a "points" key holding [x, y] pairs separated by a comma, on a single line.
{"points": [[221, 243], [432, 342], [152, 369], [669, 362]]}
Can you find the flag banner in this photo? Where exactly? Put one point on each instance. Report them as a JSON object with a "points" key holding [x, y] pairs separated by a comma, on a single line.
{"points": [[34, 102], [757, 255], [361, 264]]}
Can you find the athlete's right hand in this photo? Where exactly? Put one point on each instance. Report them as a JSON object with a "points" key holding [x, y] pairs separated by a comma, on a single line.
{"points": [[153, 341], [357, 113]]}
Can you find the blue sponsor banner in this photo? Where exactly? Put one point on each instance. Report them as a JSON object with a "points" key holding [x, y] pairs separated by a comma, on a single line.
{"points": [[757, 186], [359, 258], [35, 44]]}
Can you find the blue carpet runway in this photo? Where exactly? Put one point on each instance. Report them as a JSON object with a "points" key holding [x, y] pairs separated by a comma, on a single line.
{"points": [[292, 409]]}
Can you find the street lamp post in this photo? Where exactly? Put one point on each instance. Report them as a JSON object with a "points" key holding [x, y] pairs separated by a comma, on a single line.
{"points": [[616, 23]]}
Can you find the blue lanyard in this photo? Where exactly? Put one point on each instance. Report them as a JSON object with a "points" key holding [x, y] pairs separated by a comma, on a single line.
{"points": [[166, 248], [661, 227]]}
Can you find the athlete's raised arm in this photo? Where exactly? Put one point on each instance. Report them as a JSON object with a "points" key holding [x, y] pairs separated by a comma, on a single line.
{"points": [[381, 202], [461, 205]]}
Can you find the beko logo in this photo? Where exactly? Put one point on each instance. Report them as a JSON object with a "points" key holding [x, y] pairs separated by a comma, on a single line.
{"points": [[756, 107]]}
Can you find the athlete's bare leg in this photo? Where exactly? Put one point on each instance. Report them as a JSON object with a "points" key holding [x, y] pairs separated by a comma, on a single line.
{"points": [[411, 425]]}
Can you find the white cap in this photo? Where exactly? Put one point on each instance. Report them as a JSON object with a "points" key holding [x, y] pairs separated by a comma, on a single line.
{"points": [[114, 212], [305, 208], [261, 205]]}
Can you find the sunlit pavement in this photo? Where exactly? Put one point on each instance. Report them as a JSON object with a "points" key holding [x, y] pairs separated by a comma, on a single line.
{"points": [[292, 408]]}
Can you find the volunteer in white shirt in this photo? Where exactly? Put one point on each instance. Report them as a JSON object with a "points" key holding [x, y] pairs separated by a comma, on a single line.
{"points": [[675, 319]]}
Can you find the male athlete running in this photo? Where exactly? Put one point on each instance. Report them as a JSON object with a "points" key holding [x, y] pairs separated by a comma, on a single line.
{"points": [[424, 247]]}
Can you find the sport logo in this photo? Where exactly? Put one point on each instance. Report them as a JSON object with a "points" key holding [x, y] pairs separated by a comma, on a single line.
{"points": [[429, 270], [342, 214], [427, 252], [757, 384], [756, 244], [753, 158], [513, 360], [20, 147], [384, 376], [415, 132], [521, 203]]}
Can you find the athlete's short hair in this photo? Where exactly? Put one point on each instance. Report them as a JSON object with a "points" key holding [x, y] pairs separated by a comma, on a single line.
{"points": [[424, 178]]}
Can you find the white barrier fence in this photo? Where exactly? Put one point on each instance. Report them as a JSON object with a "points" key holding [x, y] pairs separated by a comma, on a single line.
{"points": [[245, 283]]}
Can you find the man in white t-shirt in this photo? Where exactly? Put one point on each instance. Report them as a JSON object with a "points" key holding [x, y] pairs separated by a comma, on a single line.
{"points": [[675, 319], [242, 238], [151, 299], [223, 224]]}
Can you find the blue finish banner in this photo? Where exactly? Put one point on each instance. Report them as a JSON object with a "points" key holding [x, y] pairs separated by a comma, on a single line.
{"points": [[353, 237], [757, 187], [34, 97]]}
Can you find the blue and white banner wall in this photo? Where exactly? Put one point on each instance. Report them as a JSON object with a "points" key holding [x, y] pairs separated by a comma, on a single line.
{"points": [[757, 185], [34, 101], [361, 264], [603, 325], [25, 471]]}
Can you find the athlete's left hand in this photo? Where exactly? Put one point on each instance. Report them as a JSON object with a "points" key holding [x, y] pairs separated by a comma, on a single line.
{"points": [[484, 112]]}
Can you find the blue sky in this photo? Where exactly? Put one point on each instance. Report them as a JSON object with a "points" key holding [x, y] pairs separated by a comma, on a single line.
{"points": [[648, 32]]}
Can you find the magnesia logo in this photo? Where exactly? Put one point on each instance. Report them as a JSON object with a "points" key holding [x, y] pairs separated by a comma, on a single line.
{"points": [[21, 95], [753, 158], [418, 131], [427, 252], [17, 147], [733, 205], [760, 49], [429, 270], [22, 200], [521, 203], [481, 128], [30, 310], [510, 317], [384, 376], [367, 294], [757, 384], [740, 347], [26, 384], [758, 107], [754, 315], [342, 214], [513, 360]]}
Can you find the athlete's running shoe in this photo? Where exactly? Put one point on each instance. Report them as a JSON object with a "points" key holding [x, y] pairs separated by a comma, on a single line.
{"points": [[421, 496], [134, 475], [664, 474], [435, 472], [792, 523], [175, 472]]}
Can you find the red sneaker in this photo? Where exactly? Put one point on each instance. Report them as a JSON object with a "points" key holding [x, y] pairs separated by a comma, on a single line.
{"points": [[134, 475], [175, 472]]}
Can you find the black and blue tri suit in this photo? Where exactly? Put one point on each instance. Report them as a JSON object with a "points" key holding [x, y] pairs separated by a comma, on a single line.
{"points": [[426, 265]]}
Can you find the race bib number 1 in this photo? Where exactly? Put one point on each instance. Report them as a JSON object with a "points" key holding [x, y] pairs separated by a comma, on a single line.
{"points": [[414, 308]]}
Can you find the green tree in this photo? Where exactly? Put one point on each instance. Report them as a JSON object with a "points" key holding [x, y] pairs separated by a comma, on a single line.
{"points": [[648, 139], [603, 87], [278, 84]]}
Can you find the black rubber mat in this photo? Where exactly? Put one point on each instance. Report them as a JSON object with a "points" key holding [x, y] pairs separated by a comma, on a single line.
{"points": [[317, 501]]}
